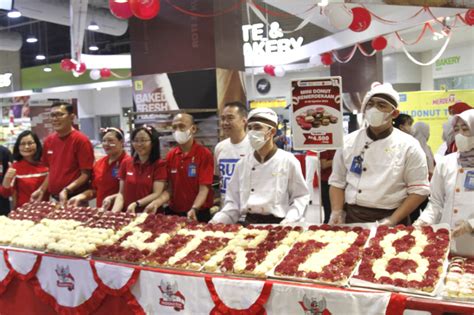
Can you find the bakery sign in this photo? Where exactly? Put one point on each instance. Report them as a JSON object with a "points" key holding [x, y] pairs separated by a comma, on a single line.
{"points": [[316, 121], [5, 79], [256, 42]]}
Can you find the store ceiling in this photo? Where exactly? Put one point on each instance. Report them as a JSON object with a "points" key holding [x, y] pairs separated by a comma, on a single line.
{"points": [[54, 39], [462, 34]]}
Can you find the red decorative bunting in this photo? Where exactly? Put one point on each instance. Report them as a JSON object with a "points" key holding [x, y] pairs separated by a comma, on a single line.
{"points": [[18, 275], [257, 308]]}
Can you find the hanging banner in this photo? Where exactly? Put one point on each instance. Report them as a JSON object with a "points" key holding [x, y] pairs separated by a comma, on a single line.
{"points": [[316, 120], [431, 107]]}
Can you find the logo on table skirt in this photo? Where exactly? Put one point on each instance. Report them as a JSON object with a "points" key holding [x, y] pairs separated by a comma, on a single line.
{"points": [[314, 305], [65, 278], [171, 296]]}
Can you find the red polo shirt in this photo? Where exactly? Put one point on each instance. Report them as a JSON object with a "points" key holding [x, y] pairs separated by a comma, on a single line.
{"points": [[138, 179], [105, 179], [184, 182], [327, 155], [29, 177], [66, 157]]}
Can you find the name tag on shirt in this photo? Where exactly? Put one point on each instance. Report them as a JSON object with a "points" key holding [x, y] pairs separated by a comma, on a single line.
{"points": [[50, 152], [115, 172], [130, 173], [192, 170], [469, 181], [174, 171], [356, 166]]}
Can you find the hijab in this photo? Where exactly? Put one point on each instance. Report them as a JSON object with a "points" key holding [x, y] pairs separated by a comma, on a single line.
{"points": [[421, 132], [466, 159]]}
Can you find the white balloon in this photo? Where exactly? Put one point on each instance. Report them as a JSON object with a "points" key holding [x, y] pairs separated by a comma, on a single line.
{"points": [[315, 59], [94, 74], [279, 71], [338, 16]]}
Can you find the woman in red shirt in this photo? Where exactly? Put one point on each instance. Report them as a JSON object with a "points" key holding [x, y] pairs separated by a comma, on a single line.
{"points": [[105, 180], [143, 178], [26, 174]]}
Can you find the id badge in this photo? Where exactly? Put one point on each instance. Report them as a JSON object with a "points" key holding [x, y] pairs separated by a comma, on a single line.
{"points": [[469, 181], [356, 166], [115, 171], [192, 170]]}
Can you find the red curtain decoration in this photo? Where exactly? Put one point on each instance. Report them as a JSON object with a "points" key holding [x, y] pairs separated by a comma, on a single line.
{"points": [[18, 275], [257, 308], [85, 308]]}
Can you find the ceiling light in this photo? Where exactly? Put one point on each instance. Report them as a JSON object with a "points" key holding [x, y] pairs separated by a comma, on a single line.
{"points": [[93, 26], [31, 39], [93, 47], [47, 69], [14, 14], [40, 57]]}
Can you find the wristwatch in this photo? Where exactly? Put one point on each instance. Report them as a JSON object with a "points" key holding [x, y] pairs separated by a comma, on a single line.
{"points": [[137, 203], [68, 191]]}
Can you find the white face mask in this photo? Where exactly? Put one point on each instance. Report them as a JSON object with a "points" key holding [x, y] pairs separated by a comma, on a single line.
{"points": [[182, 136], [257, 139], [463, 143], [375, 117]]}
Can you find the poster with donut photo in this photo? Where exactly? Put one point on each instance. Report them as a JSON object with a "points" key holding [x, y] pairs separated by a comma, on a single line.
{"points": [[316, 121]]}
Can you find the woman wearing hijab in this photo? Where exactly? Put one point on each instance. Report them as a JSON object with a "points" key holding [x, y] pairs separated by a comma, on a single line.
{"points": [[448, 133], [421, 132], [452, 188]]}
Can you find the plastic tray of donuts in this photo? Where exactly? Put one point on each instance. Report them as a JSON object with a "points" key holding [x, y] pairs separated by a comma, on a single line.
{"points": [[459, 280]]}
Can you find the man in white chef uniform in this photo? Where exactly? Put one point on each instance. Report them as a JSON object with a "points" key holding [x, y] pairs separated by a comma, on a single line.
{"points": [[380, 174], [452, 188], [268, 185]]}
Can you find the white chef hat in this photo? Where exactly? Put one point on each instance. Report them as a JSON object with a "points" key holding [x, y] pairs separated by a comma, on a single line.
{"points": [[265, 115], [385, 91]]}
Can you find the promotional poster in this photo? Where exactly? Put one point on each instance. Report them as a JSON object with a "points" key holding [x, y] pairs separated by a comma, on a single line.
{"points": [[317, 113]]}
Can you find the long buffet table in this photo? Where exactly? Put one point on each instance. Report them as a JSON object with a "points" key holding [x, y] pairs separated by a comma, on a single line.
{"points": [[38, 283]]}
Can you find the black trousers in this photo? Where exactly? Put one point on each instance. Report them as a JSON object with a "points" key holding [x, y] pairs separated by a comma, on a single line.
{"points": [[253, 218], [326, 201]]}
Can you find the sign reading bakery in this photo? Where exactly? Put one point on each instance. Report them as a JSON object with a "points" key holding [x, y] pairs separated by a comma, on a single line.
{"points": [[316, 120]]}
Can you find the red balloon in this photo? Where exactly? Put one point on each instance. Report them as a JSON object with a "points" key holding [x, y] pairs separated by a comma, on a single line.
{"points": [[469, 17], [145, 9], [269, 69], [81, 68], [105, 73], [360, 19], [120, 10], [326, 59], [379, 43], [67, 65]]}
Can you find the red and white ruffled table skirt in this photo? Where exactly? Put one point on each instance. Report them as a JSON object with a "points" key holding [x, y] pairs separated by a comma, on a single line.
{"points": [[36, 283]]}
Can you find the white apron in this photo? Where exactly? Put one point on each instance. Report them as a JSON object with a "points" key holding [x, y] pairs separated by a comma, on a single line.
{"points": [[463, 209]]}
